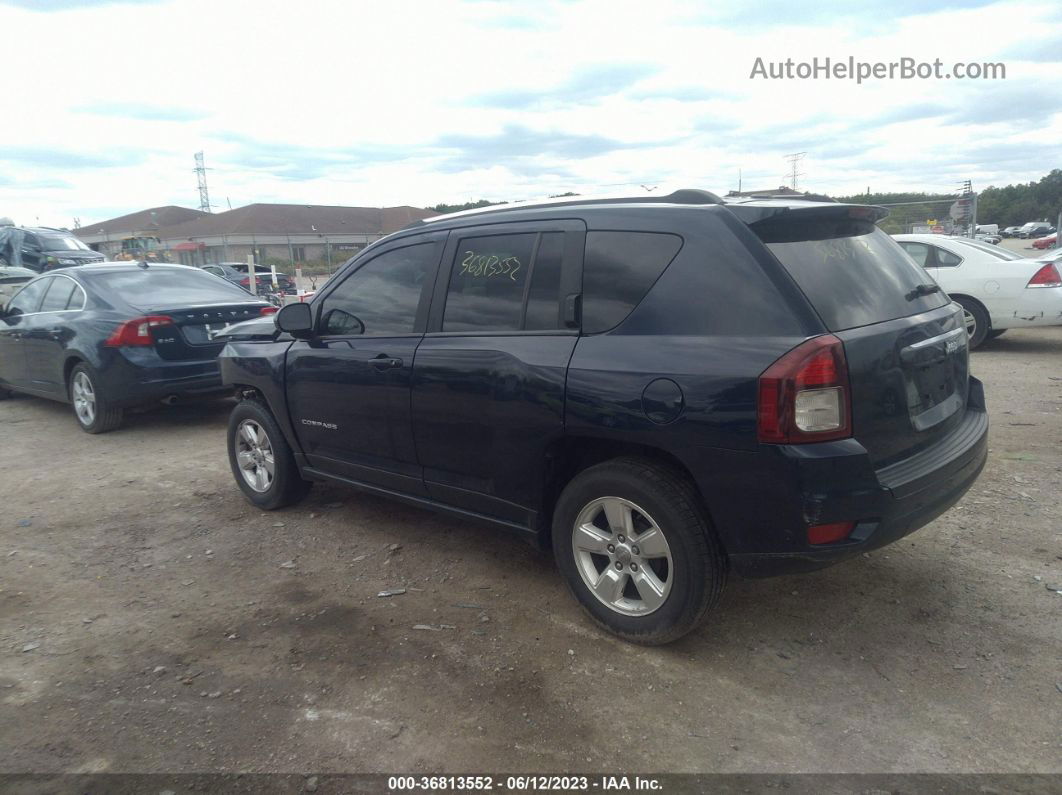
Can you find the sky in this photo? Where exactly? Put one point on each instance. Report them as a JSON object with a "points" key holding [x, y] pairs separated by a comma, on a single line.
{"points": [[378, 104]]}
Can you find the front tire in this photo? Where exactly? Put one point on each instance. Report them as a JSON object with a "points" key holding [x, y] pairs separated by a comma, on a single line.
{"points": [[261, 459], [978, 324], [92, 409], [637, 551]]}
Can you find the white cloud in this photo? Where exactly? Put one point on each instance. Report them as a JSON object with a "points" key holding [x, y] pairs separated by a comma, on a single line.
{"points": [[367, 103]]}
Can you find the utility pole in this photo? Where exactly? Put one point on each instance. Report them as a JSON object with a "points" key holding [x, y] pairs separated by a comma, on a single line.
{"points": [[200, 171], [794, 159]]}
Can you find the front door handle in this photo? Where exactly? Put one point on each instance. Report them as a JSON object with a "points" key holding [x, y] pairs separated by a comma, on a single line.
{"points": [[384, 362]]}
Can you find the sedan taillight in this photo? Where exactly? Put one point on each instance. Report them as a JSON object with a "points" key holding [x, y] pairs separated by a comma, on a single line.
{"points": [[1047, 276], [137, 332]]}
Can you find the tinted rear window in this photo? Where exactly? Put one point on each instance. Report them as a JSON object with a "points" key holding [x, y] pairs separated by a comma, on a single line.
{"points": [[853, 273], [153, 287], [618, 270]]}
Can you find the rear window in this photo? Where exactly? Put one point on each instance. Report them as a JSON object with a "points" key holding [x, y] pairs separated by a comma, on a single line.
{"points": [[154, 287], [618, 270], [852, 272]]}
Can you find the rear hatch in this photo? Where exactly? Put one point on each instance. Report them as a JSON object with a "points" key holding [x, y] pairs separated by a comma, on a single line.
{"points": [[904, 341], [182, 309]]}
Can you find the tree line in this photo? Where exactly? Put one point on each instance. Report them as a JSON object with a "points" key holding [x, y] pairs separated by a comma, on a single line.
{"points": [[1011, 205]]}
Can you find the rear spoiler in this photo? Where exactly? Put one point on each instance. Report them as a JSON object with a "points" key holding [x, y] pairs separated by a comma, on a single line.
{"points": [[752, 213]]}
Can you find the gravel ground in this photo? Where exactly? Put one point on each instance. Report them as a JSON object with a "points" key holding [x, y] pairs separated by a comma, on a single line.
{"points": [[151, 620]]}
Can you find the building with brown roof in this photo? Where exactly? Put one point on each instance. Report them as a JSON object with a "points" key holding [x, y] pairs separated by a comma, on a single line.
{"points": [[284, 234]]}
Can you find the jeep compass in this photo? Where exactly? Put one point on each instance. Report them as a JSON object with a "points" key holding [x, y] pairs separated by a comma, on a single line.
{"points": [[659, 389]]}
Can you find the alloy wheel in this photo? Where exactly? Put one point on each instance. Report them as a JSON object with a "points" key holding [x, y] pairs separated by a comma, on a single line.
{"points": [[84, 395], [622, 556], [254, 454], [971, 323]]}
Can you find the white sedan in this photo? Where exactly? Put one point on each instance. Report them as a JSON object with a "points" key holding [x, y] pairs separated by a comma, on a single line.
{"points": [[997, 288]]}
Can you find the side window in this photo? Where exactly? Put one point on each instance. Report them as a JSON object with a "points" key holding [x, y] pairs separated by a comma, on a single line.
{"points": [[28, 298], [919, 252], [58, 295], [618, 270], [946, 259], [381, 297], [31, 242], [487, 281], [77, 299], [543, 299]]}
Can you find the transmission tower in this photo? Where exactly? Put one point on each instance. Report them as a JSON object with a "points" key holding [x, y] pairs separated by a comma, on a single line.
{"points": [[794, 159], [200, 172]]}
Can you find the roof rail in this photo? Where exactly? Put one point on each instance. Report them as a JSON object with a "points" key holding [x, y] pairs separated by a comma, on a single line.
{"points": [[681, 196]]}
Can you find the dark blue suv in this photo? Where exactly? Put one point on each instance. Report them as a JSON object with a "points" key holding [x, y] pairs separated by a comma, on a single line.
{"points": [[660, 390]]}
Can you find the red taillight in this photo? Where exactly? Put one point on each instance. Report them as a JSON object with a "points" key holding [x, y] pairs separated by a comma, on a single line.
{"points": [[245, 282], [804, 396], [1047, 276], [137, 332], [268, 310], [829, 533]]}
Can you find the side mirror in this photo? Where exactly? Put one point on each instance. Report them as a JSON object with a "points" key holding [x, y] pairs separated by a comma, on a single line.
{"points": [[296, 320]]}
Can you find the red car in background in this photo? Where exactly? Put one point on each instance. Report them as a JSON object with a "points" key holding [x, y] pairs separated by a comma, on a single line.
{"points": [[1049, 241]]}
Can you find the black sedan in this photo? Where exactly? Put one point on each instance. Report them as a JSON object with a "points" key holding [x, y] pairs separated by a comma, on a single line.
{"points": [[106, 337]]}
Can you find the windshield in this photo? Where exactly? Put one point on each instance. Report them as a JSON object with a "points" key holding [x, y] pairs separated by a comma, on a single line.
{"points": [[153, 287], [62, 243], [988, 248], [852, 272]]}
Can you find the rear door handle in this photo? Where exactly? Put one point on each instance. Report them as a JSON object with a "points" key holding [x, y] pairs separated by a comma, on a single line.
{"points": [[384, 362]]}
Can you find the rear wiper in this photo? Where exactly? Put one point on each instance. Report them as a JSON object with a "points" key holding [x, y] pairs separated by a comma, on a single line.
{"points": [[922, 289]]}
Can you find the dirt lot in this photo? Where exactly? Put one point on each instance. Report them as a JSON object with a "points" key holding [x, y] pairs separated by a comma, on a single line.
{"points": [[150, 620]]}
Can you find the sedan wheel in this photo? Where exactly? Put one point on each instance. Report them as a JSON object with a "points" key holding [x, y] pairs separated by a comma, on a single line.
{"points": [[254, 454], [622, 556], [88, 397], [84, 399]]}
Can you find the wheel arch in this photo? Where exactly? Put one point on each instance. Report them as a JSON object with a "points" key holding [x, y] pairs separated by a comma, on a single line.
{"points": [[568, 456], [954, 296]]}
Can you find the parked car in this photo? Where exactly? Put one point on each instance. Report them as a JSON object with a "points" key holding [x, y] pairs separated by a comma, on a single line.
{"points": [[236, 272], [106, 337], [998, 289], [1035, 229], [1048, 241], [42, 248], [1011, 231], [11, 281], [660, 389], [993, 239]]}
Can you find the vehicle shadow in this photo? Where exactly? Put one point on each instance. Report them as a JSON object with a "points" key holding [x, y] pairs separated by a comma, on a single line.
{"points": [[153, 417], [1022, 344], [885, 605]]}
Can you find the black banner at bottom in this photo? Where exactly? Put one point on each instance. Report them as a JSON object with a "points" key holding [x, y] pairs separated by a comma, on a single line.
{"points": [[662, 784]]}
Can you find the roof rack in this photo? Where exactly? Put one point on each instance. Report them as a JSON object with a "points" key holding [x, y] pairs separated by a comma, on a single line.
{"points": [[681, 196]]}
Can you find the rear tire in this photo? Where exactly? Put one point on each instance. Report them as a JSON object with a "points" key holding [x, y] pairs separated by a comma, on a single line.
{"points": [[5, 393], [637, 551], [996, 333], [92, 408], [978, 324], [261, 459]]}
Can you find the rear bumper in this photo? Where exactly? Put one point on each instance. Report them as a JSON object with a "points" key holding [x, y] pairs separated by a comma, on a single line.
{"points": [[139, 377], [887, 504]]}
